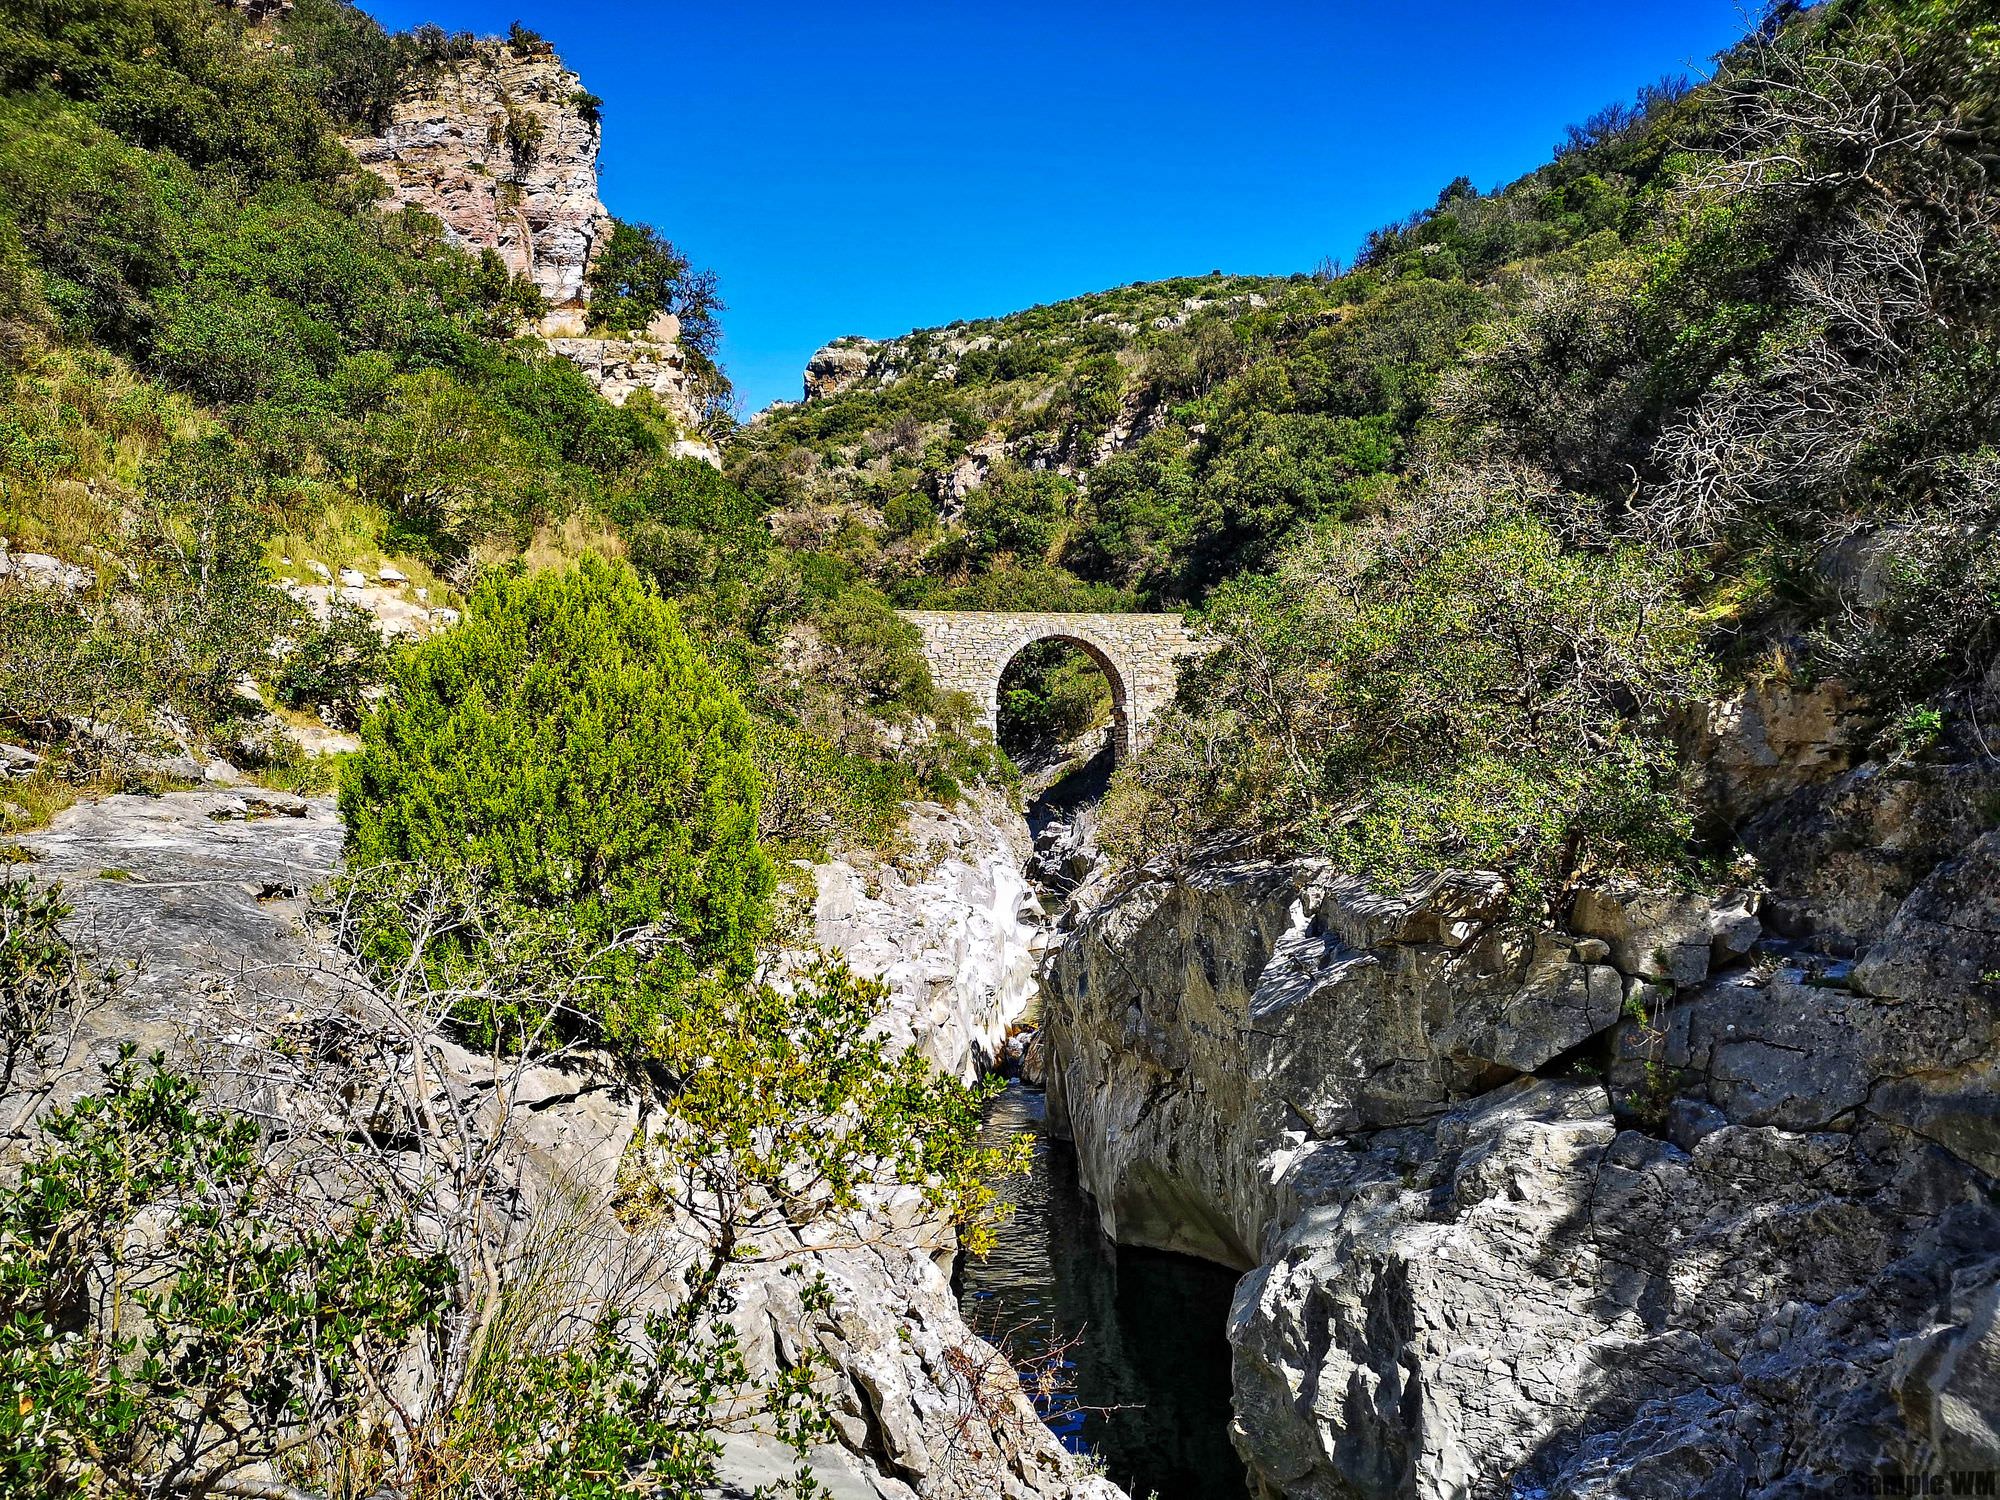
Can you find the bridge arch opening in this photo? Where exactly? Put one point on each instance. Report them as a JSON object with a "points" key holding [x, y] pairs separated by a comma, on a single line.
{"points": [[1139, 655], [1054, 688]]}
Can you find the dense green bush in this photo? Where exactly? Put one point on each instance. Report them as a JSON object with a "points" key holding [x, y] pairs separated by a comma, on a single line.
{"points": [[332, 662], [40, 977], [569, 744], [1442, 691]]}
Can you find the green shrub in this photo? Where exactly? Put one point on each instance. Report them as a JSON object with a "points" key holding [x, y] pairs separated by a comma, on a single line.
{"points": [[640, 274], [569, 744], [332, 662], [224, 1306], [1457, 691], [40, 977], [874, 654]]}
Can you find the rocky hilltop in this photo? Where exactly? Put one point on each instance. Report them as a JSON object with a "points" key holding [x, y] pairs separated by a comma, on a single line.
{"points": [[498, 141]]}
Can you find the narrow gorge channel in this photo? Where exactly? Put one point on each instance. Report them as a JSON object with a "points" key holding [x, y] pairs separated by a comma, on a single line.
{"points": [[1124, 1349], [1136, 1336]]}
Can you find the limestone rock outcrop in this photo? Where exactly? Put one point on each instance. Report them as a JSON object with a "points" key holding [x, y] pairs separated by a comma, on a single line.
{"points": [[1842, 857], [1521, 1298], [1767, 740], [197, 900], [501, 147], [839, 366], [1205, 1028], [949, 925]]}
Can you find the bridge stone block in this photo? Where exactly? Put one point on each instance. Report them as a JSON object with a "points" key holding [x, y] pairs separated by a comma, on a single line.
{"points": [[1140, 655]]}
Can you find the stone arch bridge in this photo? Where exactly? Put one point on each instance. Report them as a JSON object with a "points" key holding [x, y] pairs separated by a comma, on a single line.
{"points": [[1140, 656]]}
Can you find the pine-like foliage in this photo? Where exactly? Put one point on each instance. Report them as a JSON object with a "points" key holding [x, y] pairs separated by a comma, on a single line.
{"points": [[570, 744]]}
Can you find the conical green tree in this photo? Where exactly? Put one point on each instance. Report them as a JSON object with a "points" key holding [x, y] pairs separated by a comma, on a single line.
{"points": [[570, 746]]}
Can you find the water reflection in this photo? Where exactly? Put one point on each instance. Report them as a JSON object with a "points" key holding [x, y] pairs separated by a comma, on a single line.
{"points": [[1140, 1332]]}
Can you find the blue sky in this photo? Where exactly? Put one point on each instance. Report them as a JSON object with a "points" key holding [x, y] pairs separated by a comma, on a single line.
{"points": [[872, 168]]}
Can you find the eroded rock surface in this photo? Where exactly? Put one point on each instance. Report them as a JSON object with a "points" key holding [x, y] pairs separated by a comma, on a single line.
{"points": [[1205, 1028], [839, 367], [1521, 1298], [501, 147], [1662, 1203], [949, 925], [199, 899]]}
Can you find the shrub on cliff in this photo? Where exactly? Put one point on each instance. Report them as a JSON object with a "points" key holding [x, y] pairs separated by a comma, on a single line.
{"points": [[640, 274], [570, 745], [1451, 690]]}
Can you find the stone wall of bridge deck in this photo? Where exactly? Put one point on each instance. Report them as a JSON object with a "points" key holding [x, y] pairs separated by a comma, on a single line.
{"points": [[1140, 655]]}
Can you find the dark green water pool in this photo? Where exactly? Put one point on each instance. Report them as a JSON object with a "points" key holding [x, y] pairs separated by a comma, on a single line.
{"points": [[1139, 1333]]}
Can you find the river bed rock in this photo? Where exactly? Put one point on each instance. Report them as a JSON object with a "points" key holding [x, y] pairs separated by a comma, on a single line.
{"points": [[196, 901], [948, 923], [1521, 1298]]}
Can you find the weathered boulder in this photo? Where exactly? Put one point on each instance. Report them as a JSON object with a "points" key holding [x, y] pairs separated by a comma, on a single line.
{"points": [[1909, 1035], [38, 570], [1665, 935], [1840, 858], [395, 614]]}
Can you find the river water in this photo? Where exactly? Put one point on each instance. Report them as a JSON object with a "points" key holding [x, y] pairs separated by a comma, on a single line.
{"points": [[1138, 1334]]}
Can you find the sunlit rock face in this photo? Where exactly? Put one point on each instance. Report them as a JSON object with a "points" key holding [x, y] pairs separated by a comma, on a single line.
{"points": [[1205, 1027], [949, 924], [1685, 1194], [501, 147]]}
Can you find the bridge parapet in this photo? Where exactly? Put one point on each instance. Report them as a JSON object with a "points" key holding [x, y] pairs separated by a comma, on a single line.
{"points": [[968, 651]]}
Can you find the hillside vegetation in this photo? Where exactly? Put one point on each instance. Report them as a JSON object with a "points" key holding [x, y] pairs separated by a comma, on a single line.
{"points": [[225, 366], [1711, 395]]}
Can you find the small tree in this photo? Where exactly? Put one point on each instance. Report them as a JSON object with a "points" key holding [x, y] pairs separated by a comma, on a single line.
{"points": [[570, 745], [640, 274]]}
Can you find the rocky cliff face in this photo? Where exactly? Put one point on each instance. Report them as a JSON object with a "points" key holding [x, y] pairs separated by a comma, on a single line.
{"points": [[840, 366], [1208, 1027], [949, 925], [1692, 1196], [199, 898], [501, 147]]}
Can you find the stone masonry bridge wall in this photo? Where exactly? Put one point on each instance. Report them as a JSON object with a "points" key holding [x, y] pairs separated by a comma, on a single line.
{"points": [[1140, 656]]}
